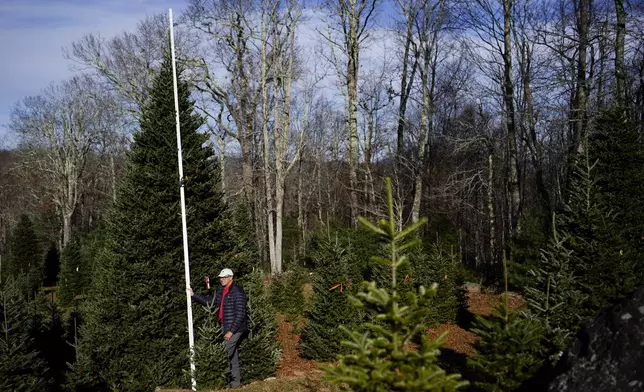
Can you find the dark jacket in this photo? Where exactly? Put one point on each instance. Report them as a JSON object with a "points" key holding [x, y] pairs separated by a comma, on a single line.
{"points": [[235, 318]]}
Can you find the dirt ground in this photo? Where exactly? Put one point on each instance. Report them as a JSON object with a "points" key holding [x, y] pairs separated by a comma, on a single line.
{"points": [[292, 365], [457, 339], [481, 303]]}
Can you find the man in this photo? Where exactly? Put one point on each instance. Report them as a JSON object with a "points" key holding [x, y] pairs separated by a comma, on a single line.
{"points": [[230, 305]]}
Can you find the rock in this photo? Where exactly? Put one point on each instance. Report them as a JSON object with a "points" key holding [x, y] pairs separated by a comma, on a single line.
{"points": [[608, 353], [472, 287]]}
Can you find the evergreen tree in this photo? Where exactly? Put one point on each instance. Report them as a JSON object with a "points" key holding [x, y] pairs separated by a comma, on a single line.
{"points": [[509, 350], [360, 244], [594, 238], [380, 359], [134, 332], [437, 265], [22, 368], [525, 248], [330, 306], [259, 352], [286, 292], [554, 296], [48, 332], [52, 266], [617, 146], [75, 276], [583, 267], [210, 352], [25, 255]]}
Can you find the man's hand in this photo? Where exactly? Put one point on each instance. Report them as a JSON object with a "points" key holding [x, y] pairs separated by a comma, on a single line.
{"points": [[228, 335], [190, 291]]}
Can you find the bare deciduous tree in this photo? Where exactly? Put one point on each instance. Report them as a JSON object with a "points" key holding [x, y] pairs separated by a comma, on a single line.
{"points": [[127, 63], [58, 131], [347, 32]]}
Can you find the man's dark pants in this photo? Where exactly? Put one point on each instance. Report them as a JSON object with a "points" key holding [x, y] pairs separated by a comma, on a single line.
{"points": [[232, 347]]}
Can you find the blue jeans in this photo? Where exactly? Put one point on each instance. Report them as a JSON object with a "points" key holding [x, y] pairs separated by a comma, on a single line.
{"points": [[232, 347]]}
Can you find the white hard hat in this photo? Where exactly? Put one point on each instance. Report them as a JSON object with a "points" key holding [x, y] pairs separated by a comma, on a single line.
{"points": [[225, 272]]}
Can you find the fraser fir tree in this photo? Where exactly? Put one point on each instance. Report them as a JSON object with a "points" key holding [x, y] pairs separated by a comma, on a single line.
{"points": [[244, 254], [74, 278], [594, 238], [617, 146], [25, 255], [509, 350], [210, 352], [438, 265], [333, 280], [134, 334], [259, 353], [553, 295], [286, 292], [22, 368], [380, 358], [583, 268], [51, 266], [48, 332]]}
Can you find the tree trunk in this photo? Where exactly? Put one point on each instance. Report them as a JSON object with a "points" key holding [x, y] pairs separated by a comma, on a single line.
{"points": [[268, 180], [422, 134], [536, 152], [282, 167], [113, 177], [580, 97], [600, 75], [300, 206], [222, 166], [620, 71], [490, 206], [352, 115], [405, 84], [508, 98], [368, 180], [429, 43], [67, 227]]}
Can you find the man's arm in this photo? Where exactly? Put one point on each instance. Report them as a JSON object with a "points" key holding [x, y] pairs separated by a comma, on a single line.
{"points": [[207, 299], [204, 299]]}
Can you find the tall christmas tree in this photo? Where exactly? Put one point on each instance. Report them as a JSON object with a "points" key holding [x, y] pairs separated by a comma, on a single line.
{"points": [[134, 335], [25, 255], [583, 268]]}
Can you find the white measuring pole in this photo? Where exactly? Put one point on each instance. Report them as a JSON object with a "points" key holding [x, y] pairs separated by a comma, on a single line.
{"points": [[191, 336]]}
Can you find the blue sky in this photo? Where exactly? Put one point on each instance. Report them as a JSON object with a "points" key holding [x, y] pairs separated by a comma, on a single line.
{"points": [[33, 33]]}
